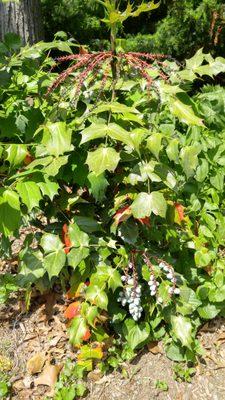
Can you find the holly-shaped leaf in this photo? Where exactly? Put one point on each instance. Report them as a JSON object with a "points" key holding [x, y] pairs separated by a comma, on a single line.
{"points": [[9, 211], [54, 262], [75, 256], [146, 203], [29, 193], [98, 185], [50, 243], [77, 330], [102, 159], [97, 296]]}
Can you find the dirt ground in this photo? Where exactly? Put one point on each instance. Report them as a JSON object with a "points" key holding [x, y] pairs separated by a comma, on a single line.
{"points": [[43, 332]]}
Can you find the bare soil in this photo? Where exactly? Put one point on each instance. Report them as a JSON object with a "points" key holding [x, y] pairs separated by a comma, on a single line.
{"points": [[43, 330]]}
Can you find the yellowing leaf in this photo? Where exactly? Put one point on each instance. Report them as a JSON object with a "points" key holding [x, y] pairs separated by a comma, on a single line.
{"points": [[102, 159], [185, 113]]}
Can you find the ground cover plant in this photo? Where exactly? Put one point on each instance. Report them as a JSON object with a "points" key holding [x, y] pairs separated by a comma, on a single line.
{"points": [[113, 165]]}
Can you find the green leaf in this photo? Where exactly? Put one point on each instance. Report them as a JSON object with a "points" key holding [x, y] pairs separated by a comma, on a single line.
{"points": [[185, 113], [75, 256], [135, 334], [102, 159], [9, 211], [115, 108], [50, 243], [57, 139], [87, 224], [154, 144], [172, 150], [54, 262], [202, 170], [114, 131], [77, 237], [90, 313], [97, 296], [187, 301], [114, 279], [189, 160], [175, 353], [29, 193], [53, 168], [182, 329], [48, 188], [209, 311], [16, 153], [77, 330], [98, 185], [31, 268], [128, 231], [203, 257], [145, 204], [94, 131]]}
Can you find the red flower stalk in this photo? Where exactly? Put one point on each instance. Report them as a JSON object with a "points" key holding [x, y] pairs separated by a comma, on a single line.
{"points": [[89, 62]]}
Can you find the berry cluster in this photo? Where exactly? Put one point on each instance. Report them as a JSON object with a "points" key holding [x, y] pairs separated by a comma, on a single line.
{"points": [[132, 296], [168, 270]]}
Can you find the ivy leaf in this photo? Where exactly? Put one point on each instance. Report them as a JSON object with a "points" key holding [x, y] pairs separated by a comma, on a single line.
{"points": [[189, 160], [185, 113], [102, 159], [9, 211], [51, 243], [77, 330], [97, 296], [182, 329], [54, 262], [145, 204], [98, 185], [135, 334]]}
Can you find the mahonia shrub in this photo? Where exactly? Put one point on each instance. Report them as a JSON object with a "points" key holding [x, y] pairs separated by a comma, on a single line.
{"points": [[117, 184]]}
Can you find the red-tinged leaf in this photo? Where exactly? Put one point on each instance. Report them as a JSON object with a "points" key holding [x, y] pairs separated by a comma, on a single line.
{"points": [[145, 221], [73, 310], [87, 335], [180, 211], [65, 238], [122, 215], [28, 159]]}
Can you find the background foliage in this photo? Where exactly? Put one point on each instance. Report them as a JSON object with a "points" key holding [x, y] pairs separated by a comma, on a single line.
{"points": [[184, 24]]}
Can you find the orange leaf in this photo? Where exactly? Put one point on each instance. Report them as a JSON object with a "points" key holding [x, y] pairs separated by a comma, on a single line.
{"points": [[180, 211], [66, 239], [73, 310], [145, 221], [122, 214], [28, 159], [87, 335]]}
